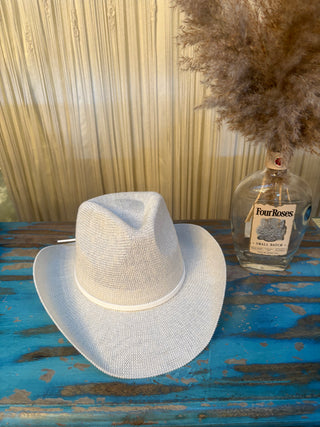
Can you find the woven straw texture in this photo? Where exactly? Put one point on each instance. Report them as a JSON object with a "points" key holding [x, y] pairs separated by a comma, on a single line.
{"points": [[142, 343], [126, 248]]}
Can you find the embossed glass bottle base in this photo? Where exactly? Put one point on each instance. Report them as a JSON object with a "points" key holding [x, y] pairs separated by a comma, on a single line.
{"points": [[262, 262]]}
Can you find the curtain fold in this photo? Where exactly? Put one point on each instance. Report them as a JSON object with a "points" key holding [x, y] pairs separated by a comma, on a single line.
{"points": [[93, 101]]}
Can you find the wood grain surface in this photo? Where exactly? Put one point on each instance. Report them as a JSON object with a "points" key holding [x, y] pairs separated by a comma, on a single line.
{"points": [[262, 366]]}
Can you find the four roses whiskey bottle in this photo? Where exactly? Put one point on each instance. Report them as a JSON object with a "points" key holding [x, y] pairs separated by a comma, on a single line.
{"points": [[269, 215]]}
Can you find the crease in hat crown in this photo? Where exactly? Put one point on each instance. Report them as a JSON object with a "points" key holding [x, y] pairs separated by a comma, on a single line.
{"points": [[127, 252]]}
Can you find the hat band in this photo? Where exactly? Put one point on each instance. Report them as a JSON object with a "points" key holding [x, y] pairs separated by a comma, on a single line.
{"points": [[137, 307]]}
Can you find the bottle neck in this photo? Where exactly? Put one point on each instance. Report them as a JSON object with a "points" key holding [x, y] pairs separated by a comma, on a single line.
{"points": [[277, 161]]}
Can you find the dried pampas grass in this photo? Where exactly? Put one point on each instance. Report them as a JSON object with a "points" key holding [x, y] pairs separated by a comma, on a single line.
{"points": [[261, 62]]}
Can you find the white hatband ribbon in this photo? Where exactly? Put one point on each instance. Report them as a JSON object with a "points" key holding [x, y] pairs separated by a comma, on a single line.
{"points": [[137, 307]]}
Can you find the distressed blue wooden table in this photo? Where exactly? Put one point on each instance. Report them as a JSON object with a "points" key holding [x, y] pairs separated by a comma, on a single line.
{"points": [[262, 366]]}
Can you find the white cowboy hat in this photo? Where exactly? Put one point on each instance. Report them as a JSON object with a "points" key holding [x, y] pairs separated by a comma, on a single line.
{"points": [[136, 295]]}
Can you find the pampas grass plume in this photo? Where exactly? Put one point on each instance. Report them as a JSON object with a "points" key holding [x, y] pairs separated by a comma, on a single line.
{"points": [[260, 60]]}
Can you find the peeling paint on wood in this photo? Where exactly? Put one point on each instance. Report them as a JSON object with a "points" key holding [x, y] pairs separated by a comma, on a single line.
{"points": [[307, 327], [20, 253], [288, 287], [262, 366], [120, 389], [189, 380], [202, 361], [22, 397], [236, 361], [133, 408], [296, 309], [48, 329], [6, 291], [47, 377], [81, 366], [299, 346], [48, 352], [17, 266], [295, 373]]}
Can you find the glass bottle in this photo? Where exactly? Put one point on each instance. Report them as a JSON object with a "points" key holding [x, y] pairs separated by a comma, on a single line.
{"points": [[269, 215]]}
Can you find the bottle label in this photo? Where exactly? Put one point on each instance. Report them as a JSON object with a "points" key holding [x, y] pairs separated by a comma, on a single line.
{"points": [[271, 229]]}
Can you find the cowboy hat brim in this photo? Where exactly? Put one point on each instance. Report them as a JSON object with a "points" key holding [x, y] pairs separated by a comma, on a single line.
{"points": [[142, 343]]}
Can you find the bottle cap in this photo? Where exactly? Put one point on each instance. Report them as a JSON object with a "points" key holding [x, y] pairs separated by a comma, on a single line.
{"points": [[277, 160]]}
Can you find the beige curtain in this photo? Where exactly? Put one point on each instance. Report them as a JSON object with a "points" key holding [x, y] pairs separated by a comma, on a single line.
{"points": [[93, 101]]}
